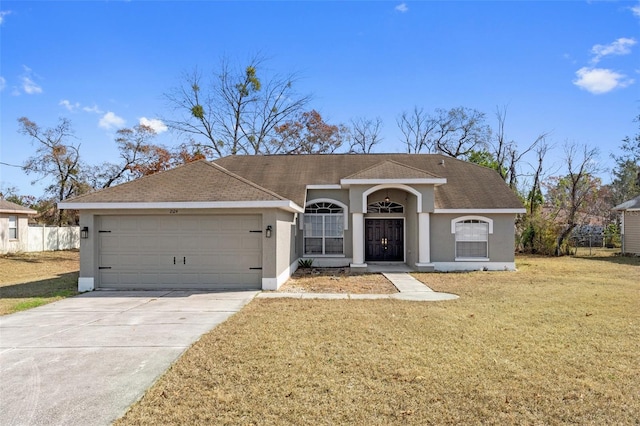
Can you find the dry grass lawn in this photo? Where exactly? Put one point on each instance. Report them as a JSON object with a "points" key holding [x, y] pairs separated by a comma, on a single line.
{"points": [[336, 280], [557, 342], [28, 280]]}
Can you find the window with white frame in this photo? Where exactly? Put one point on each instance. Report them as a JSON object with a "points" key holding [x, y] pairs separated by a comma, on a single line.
{"points": [[13, 227], [472, 239], [323, 229]]}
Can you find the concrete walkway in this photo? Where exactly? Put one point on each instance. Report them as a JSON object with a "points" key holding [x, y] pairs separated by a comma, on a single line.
{"points": [[409, 289], [86, 359]]}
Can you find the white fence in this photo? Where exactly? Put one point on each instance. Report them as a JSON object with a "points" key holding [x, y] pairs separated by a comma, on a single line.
{"points": [[51, 238]]}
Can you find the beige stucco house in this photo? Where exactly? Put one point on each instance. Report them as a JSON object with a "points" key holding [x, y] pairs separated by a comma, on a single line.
{"points": [[630, 225], [245, 221], [14, 227]]}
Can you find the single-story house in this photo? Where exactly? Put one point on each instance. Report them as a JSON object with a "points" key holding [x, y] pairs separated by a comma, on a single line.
{"points": [[14, 227], [246, 221], [630, 225]]}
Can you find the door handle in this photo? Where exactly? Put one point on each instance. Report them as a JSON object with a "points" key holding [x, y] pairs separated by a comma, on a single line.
{"points": [[184, 260], [174, 260]]}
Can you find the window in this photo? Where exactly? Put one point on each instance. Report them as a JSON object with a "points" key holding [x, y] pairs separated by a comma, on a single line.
{"points": [[13, 227], [323, 229], [472, 239], [385, 207]]}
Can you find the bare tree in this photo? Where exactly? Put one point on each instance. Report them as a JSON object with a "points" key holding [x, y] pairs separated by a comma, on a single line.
{"points": [[571, 194], [507, 154], [55, 158], [365, 134], [416, 128], [237, 111], [460, 131], [534, 198], [456, 132], [135, 148]]}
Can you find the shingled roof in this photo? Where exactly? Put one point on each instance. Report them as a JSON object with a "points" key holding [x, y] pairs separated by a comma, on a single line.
{"points": [[192, 182], [285, 178], [468, 186], [9, 207], [391, 170]]}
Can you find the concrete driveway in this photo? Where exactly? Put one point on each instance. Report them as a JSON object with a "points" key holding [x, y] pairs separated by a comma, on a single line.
{"points": [[85, 360]]}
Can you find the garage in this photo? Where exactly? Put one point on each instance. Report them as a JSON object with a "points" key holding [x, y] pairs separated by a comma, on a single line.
{"points": [[212, 252]]}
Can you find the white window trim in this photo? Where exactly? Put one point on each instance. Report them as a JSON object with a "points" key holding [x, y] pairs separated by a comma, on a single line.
{"points": [[345, 211], [345, 226], [17, 237], [453, 231], [463, 218]]}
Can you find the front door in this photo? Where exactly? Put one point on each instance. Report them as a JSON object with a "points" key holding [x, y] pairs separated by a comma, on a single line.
{"points": [[384, 240]]}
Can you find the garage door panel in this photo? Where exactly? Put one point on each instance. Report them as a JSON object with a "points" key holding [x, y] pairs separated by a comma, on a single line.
{"points": [[211, 252]]}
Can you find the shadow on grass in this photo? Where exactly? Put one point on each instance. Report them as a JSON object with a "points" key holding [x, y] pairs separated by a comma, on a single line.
{"points": [[39, 257], [618, 260], [65, 285]]}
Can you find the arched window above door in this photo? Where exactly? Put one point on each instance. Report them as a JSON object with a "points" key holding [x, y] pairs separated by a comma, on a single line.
{"points": [[385, 207]]}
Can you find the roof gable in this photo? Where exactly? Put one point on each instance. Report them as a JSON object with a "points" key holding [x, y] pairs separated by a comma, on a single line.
{"points": [[391, 170]]}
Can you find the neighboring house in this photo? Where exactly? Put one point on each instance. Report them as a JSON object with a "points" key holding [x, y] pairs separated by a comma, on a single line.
{"points": [[245, 221], [630, 225], [14, 227]]}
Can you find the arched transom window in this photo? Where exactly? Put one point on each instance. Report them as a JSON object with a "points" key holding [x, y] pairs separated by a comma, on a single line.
{"points": [[385, 207], [472, 238], [323, 229]]}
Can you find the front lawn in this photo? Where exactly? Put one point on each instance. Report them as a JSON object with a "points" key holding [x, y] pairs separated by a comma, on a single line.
{"points": [[28, 280], [557, 342]]}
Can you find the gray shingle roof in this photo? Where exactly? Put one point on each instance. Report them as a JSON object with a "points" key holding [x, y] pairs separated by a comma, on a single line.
{"points": [[9, 207], [390, 169], [197, 181], [633, 203], [285, 177], [468, 186]]}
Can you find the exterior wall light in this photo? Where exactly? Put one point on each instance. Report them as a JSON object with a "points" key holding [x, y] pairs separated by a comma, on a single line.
{"points": [[84, 233], [268, 232]]}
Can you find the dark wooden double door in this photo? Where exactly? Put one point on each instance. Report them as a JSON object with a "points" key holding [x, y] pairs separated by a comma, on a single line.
{"points": [[384, 240]]}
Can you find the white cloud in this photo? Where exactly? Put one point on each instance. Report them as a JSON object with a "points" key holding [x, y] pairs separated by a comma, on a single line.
{"points": [[636, 10], [402, 8], [3, 13], [621, 46], [600, 80], [3, 83], [68, 105], [157, 125], [29, 86], [94, 109], [110, 121]]}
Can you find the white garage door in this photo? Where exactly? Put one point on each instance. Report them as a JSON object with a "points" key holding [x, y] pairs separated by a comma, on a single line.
{"points": [[175, 251]]}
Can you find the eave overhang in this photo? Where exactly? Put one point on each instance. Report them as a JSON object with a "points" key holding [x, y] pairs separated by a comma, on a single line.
{"points": [[286, 205]]}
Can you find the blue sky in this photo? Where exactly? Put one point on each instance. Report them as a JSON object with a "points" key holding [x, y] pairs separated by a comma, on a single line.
{"points": [[570, 68]]}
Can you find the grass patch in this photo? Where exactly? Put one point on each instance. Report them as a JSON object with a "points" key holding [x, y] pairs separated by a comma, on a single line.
{"points": [[555, 343], [34, 279], [336, 280]]}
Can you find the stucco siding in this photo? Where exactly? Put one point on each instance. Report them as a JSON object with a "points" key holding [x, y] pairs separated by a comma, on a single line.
{"points": [[285, 241], [632, 231], [501, 241], [12, 245], [411, 231]]}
